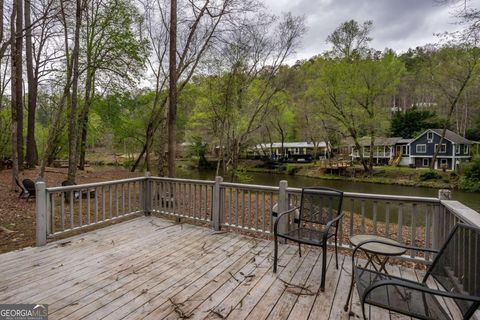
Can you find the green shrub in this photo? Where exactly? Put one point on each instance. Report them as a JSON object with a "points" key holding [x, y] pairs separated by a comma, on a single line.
{"points": [[292, 169], [469, 185], [242, 175], [471, 170], [470, 175], [430, 175]]}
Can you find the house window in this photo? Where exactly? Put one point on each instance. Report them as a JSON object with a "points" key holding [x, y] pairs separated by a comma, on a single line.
{"points": [[443, 162], [425, 162], [430, 136], [457, 148], [443, 148], [297, 151], [467, 150], [421, 148], [404, 150]]}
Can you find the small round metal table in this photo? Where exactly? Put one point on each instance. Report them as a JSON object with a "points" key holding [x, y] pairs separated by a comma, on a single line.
{"points": [[377, 254]]}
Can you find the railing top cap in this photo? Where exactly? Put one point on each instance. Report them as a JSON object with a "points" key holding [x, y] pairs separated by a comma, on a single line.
{"points": [[375, 196], [372, 196], [463, 212], [93, 185]]}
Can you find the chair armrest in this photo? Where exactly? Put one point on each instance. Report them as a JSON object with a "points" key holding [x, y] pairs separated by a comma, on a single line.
{"points": [[398, 245], [331, 222], [279, 216], [418, 287]]}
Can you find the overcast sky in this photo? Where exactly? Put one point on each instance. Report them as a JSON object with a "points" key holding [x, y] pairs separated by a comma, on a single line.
{"points": [[398, 24]]}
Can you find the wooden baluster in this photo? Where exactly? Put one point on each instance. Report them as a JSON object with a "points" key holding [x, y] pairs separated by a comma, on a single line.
{"points": [[62, 209], [387, 219], [362, 211], [264, 218], [52, 206], [400, 223], [72, 224], [352, 217], [80, 211], [413, 232], [428, 230]]}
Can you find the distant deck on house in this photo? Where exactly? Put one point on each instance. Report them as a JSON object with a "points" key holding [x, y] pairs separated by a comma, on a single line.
{"points": [[152, 268]]}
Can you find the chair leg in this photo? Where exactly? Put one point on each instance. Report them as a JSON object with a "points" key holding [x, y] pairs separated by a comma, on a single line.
{"points": [[363, 311], [336, 252], [347, 303], [275, 252], [324, 267], [300, 249]]}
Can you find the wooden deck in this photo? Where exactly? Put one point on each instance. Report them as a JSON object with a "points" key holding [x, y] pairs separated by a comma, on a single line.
{"points": [[151, 268]]}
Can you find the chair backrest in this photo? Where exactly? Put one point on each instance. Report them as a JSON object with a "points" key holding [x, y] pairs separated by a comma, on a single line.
{"points": [[320, 205], [29, 185], [457, 265]]}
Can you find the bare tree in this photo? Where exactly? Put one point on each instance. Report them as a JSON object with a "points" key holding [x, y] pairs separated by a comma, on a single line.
{"points": [[172, 90], [453, 69], [199, 25], [250, 58], [72, 129]]}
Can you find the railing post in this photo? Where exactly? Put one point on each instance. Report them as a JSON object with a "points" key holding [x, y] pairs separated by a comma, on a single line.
{"points": [[439, 231], [41, 213], [147, 192], [444, 194], [283, 206], [216, 205]]}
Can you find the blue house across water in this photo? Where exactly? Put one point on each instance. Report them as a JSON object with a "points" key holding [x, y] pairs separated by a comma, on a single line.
{"points": [[417, 152], [453, 149]]}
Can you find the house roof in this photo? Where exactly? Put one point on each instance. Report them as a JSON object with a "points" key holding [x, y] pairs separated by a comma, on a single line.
{"points": [[452, 136], [321, 144], [404, 141]]}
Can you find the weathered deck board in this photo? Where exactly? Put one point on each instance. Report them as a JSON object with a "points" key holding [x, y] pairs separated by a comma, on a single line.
{"points": [[151, 268]]}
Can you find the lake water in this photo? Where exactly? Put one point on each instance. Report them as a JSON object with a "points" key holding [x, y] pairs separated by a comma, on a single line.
{"points": [[470, 199]]}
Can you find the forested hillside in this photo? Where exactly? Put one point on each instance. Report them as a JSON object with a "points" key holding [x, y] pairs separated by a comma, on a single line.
{"points": [[82, 77]]}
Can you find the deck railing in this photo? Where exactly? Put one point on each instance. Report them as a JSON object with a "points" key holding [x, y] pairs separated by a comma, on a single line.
{"points": [[420, 221]]}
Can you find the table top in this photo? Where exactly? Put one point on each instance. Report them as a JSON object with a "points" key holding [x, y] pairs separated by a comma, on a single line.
{"points": [[377, 248]]}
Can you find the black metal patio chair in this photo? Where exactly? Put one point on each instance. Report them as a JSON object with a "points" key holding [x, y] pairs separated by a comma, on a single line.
{"points": [[456, 269], [21, 187], [319, 215], [27, 189]]}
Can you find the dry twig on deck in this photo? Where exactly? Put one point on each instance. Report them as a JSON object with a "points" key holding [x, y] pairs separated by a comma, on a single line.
{"points": [[178, 310], [290, 287]]}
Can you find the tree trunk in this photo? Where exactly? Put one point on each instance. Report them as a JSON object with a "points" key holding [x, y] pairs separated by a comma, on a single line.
{"points": [[84, 118], [140, 156], [53, 132], [72, 130], [13, 84], [17, 90], [370, 160], [360, 151], [172, 92], [162, 151], [32, 154]]}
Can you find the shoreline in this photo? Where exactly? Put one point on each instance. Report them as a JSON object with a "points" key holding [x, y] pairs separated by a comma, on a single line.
{"points": [[410, 179]]}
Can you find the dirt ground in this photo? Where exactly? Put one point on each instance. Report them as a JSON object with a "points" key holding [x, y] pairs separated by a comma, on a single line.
{"points": [[17, 216]]}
